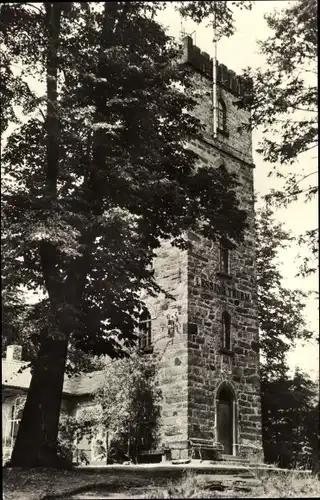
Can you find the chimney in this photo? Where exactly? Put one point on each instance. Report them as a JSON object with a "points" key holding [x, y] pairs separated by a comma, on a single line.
{"points": [[14, 353]]}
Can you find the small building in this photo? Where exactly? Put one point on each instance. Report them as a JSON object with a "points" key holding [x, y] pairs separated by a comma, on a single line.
{"points": [[16, 378]]}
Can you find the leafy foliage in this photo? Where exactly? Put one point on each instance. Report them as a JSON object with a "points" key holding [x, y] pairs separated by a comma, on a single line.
{"points": [[289, 416], [291, 421], [15, 326], [284, 103], [219, 12], [12, 319], [281, 317], [125, 410]]}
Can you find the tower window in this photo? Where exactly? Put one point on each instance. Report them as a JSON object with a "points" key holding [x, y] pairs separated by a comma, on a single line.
{"points": [[224, 258], [226, 330], [145, 329], [222, 116]]}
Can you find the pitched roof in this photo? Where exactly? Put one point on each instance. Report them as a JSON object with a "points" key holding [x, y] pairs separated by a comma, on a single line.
{"points": [[88, 383], [18, 374]]}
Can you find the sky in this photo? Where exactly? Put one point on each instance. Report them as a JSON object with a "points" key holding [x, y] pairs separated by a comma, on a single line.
{"points": [[238, 52]]}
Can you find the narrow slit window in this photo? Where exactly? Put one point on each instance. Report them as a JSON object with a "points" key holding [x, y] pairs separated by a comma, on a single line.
{"points": [[222, 115], [145, 330], [226, 330], [224, 258]]}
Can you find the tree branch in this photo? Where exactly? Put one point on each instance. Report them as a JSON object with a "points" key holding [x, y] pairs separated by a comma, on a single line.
{"points": [[304, 109], [35, 7], [306, 176], [124, 12]]}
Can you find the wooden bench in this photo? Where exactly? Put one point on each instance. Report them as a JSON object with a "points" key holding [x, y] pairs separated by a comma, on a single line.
{"points": [[208, 445], [153, 457]]}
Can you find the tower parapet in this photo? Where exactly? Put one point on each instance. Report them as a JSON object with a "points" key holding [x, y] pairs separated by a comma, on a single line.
{"points": [[202, 62]]}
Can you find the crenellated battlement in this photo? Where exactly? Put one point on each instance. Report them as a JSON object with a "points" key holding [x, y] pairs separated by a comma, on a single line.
{"points": [[203, 63]]}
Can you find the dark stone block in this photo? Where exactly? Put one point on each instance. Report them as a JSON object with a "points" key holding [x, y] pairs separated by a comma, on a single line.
{"points": [[172, 431], [248, 411], [190, 328], [252, 436], [226, 352], [195, 378], [249, 371], [206, 296], [199, 398], [244, 404], [200, 340], [195, 429], [254, 379], [238, 350], [255, 346], [193, 345], [249, 429], [255, 418], [243, 344], [252, 330], [237, 371], [195, 355]]}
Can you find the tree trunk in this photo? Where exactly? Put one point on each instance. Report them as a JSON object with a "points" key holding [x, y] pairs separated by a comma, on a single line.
{"points": [[36, 443], [53, 11]]}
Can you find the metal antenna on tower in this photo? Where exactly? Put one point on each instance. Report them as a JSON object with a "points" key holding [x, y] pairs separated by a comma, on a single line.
{"points": [[214, 75], [182, 31]]}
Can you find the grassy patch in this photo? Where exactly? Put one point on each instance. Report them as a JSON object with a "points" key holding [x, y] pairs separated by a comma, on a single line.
{"points": [[281, 485], [37, 484], [187, 487], [289, 484]]}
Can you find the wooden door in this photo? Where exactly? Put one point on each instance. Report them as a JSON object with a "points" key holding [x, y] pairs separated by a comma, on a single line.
{"points": [[225, 427]]}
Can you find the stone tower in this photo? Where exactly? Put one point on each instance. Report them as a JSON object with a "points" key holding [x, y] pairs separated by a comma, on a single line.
{"points": [[206, 339]]}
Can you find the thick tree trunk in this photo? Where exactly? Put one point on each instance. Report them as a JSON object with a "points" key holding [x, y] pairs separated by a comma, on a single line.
{"points": [[36, 443]]}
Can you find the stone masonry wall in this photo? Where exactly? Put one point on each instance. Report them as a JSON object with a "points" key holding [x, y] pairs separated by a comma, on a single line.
{"points": [[169, 315], [210, 292], [191, 364]]}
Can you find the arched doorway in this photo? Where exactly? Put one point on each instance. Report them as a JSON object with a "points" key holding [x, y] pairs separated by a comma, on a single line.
{"points": [[225, 419]]}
